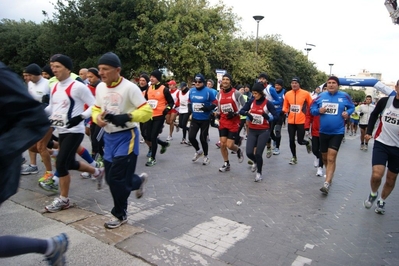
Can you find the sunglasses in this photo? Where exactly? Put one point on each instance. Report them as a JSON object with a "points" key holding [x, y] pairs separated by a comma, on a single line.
{"points": [[197, 82]]}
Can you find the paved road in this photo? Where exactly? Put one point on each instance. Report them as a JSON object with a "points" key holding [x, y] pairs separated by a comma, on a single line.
{"points": [[189, 214]]}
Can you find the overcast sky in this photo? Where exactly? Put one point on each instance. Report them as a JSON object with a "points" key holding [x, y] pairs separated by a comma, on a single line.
{"points": [[351, 34]]}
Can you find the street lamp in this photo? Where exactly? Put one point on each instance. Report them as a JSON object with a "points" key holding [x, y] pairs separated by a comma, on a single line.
{"points": [[331, 65], [257, 19], [308, 49]]}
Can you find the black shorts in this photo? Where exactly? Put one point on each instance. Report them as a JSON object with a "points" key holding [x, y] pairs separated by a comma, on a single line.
{"points": [[224, 132], [330, 142], [386, 155], [363, 126]]}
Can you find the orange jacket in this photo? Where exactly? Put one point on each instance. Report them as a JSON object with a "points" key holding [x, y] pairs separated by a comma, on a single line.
{"points": [[296, 102]]}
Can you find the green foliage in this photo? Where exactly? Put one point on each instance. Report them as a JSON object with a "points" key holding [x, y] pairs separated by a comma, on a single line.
{"points": [[356, 95], [184, 36]]}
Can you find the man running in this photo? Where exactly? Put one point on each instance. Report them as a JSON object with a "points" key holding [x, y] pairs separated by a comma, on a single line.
{"points": [[364, 111]]}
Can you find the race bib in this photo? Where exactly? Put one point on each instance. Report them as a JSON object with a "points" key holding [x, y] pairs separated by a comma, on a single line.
{"points": [[258, 119], [295, 108], [153, 103], [331, 108], [58, 120], [197, 107], [225, 108]]}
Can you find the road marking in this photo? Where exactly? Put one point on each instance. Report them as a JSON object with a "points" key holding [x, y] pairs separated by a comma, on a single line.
{"points": [[215, 237], [301, 261]]}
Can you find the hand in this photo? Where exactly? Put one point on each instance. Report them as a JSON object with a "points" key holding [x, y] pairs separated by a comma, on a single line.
{"points": [[307, 134], [231, 115], [118, 120], [249, 116], [322, 110], [345, 115], [265, 116], [74, 121], [165, 111], [367, 137], [100, 120]]}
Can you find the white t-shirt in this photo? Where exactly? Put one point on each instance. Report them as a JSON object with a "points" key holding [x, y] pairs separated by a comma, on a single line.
{"points": [[39, 89]]}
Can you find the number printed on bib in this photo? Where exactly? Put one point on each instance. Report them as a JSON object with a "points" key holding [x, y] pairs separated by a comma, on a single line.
{"points": [[153, 103], [228, 107], [295, 108], [331, 108], [197, 107], [258, 119], [58, 120]]}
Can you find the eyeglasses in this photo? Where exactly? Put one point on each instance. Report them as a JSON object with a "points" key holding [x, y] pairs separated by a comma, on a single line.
{"points": [[197, 82]]}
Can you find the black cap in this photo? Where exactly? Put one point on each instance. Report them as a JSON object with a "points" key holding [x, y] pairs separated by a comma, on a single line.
{"points": [[110, 59], [145, 76], [279, 82], [199, 77], [183, 85], [334, 78], [94, 71], [48, 70], [264, 75], [66, 61], [228, 76], [157, 74], [296, 79], [258, 87], [33, 69]]}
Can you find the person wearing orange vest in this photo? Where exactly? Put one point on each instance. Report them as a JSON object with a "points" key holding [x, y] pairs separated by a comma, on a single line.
{"points": [[159, 98], [261, 113], [296, 102]]}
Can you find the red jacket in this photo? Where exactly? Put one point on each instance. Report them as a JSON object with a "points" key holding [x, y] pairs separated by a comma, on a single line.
{"points": [[312, 121]]}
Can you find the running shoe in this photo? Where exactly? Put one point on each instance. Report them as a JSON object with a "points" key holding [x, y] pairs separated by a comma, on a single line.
{"points": [[233, 152], [206, 161], [293, 161], [169, 138], [309, 147], [29, 169], [258, 177], [240, 141], [369, 201], [218, 144], [144, 179], [176, 126], [240, 156], [23, 160], [250, 162], [49, 185], [366, 146], [85, 175], [269, 152], [183, 141], [57, 205], [224, 168], [361, 146], [276, 151], [151, 162], [47, 176], [319, 171], [149, 153], [60, 244], [254, 168], [324, 189], [380, 209], [100, 178], [115, 222], [164, 148], [197, 155]]}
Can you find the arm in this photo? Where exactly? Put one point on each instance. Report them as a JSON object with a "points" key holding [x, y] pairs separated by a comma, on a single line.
{"points": [[272, 111], [375, 114], [246, 107], [314, 107]]}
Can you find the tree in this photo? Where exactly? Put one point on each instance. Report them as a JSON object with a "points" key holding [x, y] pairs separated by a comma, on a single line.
{"points": [[356, 95]]}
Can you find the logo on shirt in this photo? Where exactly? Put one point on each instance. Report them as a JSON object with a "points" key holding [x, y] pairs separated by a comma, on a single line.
{"points": [[340, 100]]}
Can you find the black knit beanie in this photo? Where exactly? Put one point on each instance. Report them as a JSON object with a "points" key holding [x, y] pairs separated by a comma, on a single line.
{"points": [[33, 69], [258, 87], [157, 74], [334, 78], [145, 76], [279, 82], [94, 71], [63, 59], [110, 59], [48, 70], [229, 77]]}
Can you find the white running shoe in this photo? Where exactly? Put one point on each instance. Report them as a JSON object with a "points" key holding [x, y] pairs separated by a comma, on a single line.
{"points": [[316, 162], [197, 155], [258, 177], [169, 138], [319, 171]]}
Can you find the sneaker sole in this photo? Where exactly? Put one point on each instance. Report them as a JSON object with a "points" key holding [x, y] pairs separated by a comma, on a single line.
{"points": [[29, 173], [53, 211], [324, 191], [116, 226], [365, 206]]}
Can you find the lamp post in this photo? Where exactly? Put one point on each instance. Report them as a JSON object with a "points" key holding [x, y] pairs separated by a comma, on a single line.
{"points": [[308, 49], [331, 65], [257, 19]]}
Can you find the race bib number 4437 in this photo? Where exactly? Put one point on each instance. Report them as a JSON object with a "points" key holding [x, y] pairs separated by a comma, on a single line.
{"points": [[331, 108]]}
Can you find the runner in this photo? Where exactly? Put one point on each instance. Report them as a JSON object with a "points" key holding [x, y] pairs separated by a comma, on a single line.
{"points": [[119, 106], [184, 115], [333, 107], [201, 102], [275, 126], [364, 112], [296, 102], [260, 112], [385, 150], [172, 114], [230, 101]]}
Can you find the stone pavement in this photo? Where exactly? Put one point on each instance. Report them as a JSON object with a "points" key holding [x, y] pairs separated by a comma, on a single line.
{"points": [[189, 214]]}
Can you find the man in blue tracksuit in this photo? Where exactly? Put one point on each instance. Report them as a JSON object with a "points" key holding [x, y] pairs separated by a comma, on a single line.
{"points": [[201, 101], [275, 127], [334, 107]]}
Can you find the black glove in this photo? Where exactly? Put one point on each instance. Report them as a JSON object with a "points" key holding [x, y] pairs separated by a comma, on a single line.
{"points": [[166, 111], [230, 115], [361, 114], [265, 116], [118, 120], [207, 108], [249, 116], [74, 121]]}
